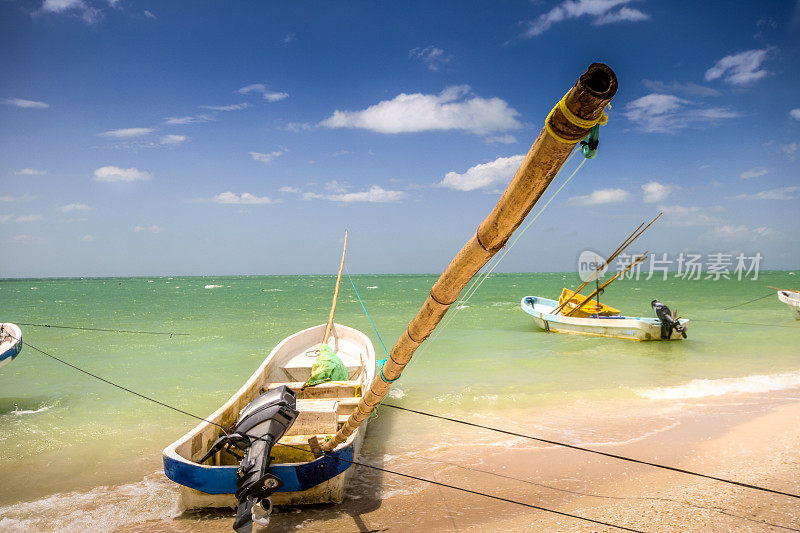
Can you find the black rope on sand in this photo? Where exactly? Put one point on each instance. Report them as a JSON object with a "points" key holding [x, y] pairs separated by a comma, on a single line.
{"points": [[101, 329], [606, 454]]}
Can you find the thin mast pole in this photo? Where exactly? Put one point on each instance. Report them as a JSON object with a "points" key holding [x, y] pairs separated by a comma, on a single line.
{"points": [[607, 283], [571, 119], [335, 293]]}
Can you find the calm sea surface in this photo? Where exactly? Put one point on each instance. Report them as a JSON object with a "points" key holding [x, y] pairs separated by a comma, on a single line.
{"points": [[68, 439]]}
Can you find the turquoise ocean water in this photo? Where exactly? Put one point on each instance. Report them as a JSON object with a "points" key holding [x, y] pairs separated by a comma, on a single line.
{"points": [[62, 432]]}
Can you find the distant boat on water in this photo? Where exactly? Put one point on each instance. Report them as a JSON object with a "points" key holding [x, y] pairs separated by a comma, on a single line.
{"points": [[604, 325], [792, 299], [10, 342]]}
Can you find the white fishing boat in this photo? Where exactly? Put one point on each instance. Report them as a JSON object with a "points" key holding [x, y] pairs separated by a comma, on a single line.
{"points": [[322, 410], [10, 342], [792, 299], [622, 327]]}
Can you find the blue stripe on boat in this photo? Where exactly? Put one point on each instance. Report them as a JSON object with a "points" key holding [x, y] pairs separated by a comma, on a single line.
{"points": [[296, 477]]}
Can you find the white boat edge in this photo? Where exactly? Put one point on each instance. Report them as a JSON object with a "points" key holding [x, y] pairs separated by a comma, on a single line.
{"points": [[792, 299], [10, 343], [622, 327]]}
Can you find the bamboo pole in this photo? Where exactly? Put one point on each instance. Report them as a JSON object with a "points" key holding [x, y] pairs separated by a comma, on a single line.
{"points": [[586, 100], [621, 248], [609, 282], [329, 326]]}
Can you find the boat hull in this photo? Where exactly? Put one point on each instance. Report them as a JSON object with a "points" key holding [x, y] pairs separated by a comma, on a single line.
{"points": [[312, 481], [10, 342], [619, 327], [792, 299]]}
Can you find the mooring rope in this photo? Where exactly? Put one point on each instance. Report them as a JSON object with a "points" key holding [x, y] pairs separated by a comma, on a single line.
{"points": [[469, 491], [749, 301], [364, 307], [101, 329], [577, 517], [589, 450]]}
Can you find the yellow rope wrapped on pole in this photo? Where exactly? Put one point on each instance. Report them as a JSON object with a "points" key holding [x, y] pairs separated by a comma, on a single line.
{"points": [[584, 101]]}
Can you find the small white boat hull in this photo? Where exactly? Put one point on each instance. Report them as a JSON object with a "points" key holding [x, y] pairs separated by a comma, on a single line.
{"points": [[323, 409], [10, 342], [792, 299], [620, 327]]}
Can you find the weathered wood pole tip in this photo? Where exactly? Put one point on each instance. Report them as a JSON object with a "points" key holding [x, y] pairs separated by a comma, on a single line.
{"points": [[584, 104]]}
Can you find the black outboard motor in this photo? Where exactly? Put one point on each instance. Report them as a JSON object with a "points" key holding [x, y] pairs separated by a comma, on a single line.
{"points": [[261, 424], [668, 322]]}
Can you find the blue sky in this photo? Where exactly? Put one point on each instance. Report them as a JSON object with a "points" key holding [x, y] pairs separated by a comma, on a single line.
{"points": [[158, 138]]}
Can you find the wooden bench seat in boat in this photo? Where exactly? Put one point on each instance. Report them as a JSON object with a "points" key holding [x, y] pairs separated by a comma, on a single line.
{"points": [[316, 416], [331, 389]]}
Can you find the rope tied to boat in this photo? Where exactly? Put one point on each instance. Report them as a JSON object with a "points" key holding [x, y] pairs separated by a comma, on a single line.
{"points": [[383, 361]]}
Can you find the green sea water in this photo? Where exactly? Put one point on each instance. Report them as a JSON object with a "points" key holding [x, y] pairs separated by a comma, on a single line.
{"points": [[62, 432]]}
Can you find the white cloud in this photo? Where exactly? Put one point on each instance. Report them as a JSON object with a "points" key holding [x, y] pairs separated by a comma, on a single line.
{"points": [[499, 171], [431, 56], [288, 39], [374, 194], [655, 192], [741, 233], [112, 173], [790, 149], [193, 119], [290, 189], [682, 216], [30, 172], [230, 107], [753, 173], [88, 238], [127, 133], [21, 218], [267, 158], [149, 14], [665, 113], [602, 196], [148, 229], [30, 104], [601, 12], [245, 198], [270, 96], [335, 186], [688, 88], [795, 113], [451, 109], [782, 193], [75, 207], [73, 7], [740, 69], [501, 139], [173, 139], [298, 126]]}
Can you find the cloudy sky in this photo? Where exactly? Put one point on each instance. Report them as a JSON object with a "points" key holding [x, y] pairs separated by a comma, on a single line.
{"points": [[157, 138]]}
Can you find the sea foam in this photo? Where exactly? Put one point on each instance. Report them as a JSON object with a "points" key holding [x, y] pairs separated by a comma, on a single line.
{"points": [[702, 388]]}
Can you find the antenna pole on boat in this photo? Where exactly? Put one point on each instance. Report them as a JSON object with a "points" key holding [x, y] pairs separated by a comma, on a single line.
{"points": [[621, 248], [570, 121], [335, 293], [607, 283]]}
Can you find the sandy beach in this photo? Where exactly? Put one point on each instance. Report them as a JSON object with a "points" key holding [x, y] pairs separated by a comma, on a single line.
{"points": [[749, 438]]}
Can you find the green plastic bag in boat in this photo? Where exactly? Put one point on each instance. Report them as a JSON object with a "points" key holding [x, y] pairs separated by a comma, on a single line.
{"points": [[327, 367]]}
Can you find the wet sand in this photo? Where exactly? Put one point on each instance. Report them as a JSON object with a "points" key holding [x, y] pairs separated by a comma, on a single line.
{"points": [[752, 439]]}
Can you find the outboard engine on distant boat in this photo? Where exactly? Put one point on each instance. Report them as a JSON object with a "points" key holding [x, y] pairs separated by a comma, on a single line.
{"points": [[261, 424], [668, 322]]}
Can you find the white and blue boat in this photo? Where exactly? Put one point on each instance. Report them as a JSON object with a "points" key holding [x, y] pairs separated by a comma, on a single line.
{"points": [[10, 342], [323, 409], [618, 326]]}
